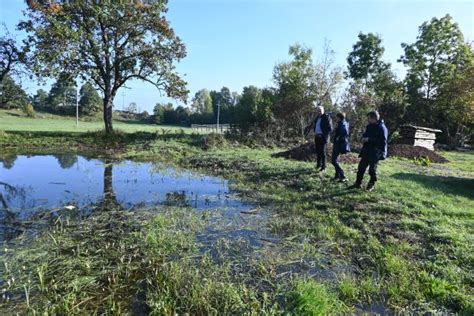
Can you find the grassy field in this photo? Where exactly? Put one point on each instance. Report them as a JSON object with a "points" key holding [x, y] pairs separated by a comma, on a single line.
{"points": [[406, 247], [12, 120]]}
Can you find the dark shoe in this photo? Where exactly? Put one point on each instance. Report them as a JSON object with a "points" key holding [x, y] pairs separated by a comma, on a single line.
{"points": [[355, 186], [343, 180], [370, 187]]}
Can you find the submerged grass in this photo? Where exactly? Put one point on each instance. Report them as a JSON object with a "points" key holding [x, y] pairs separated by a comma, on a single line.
{"points": [[116, 262], [408, 246]]}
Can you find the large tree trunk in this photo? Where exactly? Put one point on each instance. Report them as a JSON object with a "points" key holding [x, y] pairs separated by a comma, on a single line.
{"points": [[108, 110]]}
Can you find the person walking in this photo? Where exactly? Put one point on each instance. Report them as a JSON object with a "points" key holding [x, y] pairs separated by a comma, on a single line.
{"points": [[340, 145], [374, 149], [322, 130]]}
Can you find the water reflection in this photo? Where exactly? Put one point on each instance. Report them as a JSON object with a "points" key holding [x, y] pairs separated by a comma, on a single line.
{"points": [[66, 161], [40, 183], [8, 160], [110, 199]]}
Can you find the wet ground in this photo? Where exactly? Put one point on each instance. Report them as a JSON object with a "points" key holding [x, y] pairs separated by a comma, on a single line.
{"points": [[32, 186]]}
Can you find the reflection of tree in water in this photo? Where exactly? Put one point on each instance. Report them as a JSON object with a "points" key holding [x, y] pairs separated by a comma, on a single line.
{"points": [[66, 161], [8, 161], [9, 192], [110, 199], [176, 199], [8, 218]]}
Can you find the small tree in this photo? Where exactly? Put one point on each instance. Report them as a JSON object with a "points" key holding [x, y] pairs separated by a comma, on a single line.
{"points": [[365, 60], [202, 102], [108, 42], [40, 99], [132, 108], [12, 95], [62, 95], [375, 86], [301, 82], [437, 57], [90, 101]]}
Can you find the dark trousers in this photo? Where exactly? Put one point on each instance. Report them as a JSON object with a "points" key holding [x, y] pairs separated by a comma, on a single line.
{"points": [[320, 143], [363, 164], [335, 163]]}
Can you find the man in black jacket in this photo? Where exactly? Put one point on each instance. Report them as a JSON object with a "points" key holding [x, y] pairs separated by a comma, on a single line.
{"points": [[322, 129], [374, 149]]}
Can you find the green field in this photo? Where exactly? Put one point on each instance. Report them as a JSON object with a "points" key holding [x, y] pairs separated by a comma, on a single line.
{"points": [[405, 248], [12, 120]]}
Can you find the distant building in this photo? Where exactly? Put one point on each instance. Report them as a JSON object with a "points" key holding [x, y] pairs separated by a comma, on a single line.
{"points": [[419, 136]]}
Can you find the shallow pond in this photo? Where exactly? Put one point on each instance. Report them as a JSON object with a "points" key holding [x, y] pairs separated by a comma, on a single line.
{"points": [[33, 185], [30, 184]]}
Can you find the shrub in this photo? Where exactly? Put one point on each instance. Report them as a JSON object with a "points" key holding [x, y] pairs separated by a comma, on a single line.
{"points": [[28, 110], [213, 140], [422, 161]]}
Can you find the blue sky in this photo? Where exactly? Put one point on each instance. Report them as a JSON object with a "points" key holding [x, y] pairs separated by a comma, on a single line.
{"points": [[235, 43]]}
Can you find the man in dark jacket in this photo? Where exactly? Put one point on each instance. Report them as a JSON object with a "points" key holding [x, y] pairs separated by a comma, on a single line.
{"points": [[322, 129], [374, 149], [340, 145]]}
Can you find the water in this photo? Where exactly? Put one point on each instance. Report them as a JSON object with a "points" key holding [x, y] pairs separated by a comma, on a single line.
{"points": [[32, 184], [32, 187]]}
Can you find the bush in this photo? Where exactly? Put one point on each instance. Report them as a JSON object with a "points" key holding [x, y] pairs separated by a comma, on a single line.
{"points": [[213, 140], [28, 110]]}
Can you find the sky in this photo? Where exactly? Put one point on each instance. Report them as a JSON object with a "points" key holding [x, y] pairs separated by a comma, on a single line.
{"points": [[236, 43]]}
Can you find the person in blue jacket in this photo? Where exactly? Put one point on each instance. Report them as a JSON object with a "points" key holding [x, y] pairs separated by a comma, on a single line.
{"points": [[374, 149], [340, 145]]}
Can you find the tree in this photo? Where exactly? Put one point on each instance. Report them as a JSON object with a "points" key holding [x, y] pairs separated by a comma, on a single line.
{"points": [[10, 55], [375, 86], [108, 42], [132, 108], [90, 101], [62, 95], [301, 83], [222, 102], [12, 95], [365, 60], [456, 108], [245, 112], [159, 112], [40, 99], [253, 113], [356, 103], [438, 55], [202, 102]]}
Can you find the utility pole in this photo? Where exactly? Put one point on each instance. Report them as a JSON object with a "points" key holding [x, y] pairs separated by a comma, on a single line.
{"points": [[77, 107], [218, 115]]}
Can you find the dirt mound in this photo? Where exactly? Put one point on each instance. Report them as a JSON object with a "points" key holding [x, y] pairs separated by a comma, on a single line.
{"points": [[412, 152], [307, 152]]}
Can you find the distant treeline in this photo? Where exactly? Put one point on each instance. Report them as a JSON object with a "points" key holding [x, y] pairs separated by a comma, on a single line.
{"points": [[437, 91]]}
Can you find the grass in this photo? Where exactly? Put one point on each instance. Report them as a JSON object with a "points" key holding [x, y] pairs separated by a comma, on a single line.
{"points": [[408, 246], [13, 120]]}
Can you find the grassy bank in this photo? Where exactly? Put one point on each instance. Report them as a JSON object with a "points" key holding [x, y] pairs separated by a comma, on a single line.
{"points": [[13, 120], [408, 246]]}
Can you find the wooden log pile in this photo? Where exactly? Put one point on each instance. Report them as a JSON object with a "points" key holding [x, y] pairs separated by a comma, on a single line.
{"points": [[418, 136]]}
